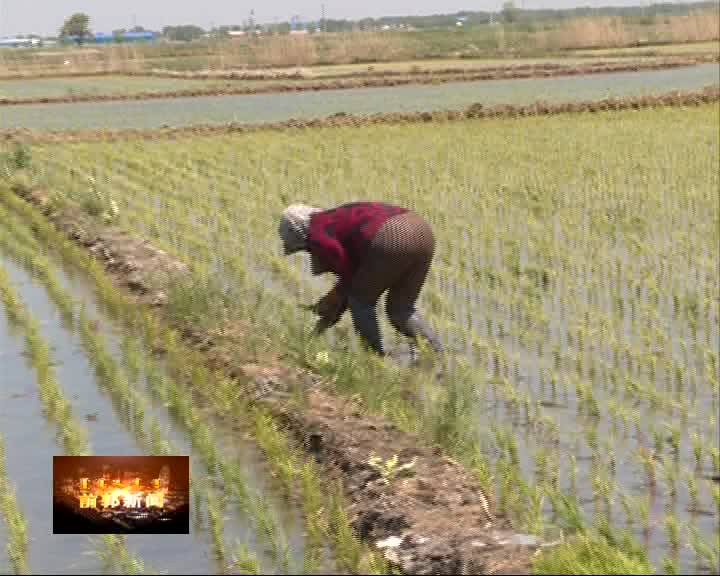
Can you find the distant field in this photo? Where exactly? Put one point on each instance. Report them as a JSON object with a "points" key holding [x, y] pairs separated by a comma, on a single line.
{"points": [[664, 50], [409, 66], [54, 87], [279, 107], [76, 87], [101, 85]]}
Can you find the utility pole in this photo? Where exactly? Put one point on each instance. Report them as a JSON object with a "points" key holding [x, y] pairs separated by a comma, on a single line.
{"points": [[322, 18]]}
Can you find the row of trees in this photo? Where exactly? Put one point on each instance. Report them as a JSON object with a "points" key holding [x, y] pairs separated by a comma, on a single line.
{"points": [[78, 24]]}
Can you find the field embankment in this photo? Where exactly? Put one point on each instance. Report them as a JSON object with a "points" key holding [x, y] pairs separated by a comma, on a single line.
{"points": [[364, 80], [678, 98]]}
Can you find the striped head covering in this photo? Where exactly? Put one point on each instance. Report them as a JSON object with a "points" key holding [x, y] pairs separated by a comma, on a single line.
{"points": [[294, 226]]}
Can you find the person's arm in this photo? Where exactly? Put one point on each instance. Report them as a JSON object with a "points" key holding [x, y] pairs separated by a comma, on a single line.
{"points": [[330, 308], [329, 255]]}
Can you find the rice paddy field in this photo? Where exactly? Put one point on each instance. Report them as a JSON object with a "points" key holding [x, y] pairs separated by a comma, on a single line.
{"points": [[666, 49], [279, 107], [57, 87], [575, 284], [115, 401], [78, 381]]}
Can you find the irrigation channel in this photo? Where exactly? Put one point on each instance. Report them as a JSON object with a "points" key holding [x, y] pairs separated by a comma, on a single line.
{"points": [[280, 107], [118, 400]]}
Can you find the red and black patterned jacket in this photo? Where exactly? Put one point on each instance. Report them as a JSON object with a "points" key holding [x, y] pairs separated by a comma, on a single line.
{"points": [[340, 237]]}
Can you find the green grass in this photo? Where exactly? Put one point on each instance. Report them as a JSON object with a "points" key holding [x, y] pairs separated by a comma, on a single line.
{"points": [[585, 554], [712, 48], [14, 519]]}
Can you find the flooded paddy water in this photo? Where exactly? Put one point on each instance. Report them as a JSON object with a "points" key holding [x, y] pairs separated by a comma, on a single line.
{"points": [[30, 444], [280, 107]]}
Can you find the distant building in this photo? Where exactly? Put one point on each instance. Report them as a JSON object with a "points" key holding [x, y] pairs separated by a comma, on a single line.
{"points": [[138, 36], [19, 42], [104, 38], [236, 33], [298, 32]]}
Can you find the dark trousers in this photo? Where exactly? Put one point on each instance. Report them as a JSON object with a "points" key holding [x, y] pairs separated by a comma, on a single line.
{"points": [[398, 261]]}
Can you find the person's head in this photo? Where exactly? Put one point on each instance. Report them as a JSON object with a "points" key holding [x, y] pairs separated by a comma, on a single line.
{"points": [[294, 227]]}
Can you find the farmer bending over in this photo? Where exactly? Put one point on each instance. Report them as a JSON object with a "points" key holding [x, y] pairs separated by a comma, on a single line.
{"points": [[372, 247]]}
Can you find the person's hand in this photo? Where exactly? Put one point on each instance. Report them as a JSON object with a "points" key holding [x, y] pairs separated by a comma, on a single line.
{"points": [[331, 306]]}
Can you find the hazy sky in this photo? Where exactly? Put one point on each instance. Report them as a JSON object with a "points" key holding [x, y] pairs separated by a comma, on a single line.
{"points": [[46, 16]]}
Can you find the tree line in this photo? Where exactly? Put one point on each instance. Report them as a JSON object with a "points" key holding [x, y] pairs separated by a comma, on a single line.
{"points": [[78, 25]]}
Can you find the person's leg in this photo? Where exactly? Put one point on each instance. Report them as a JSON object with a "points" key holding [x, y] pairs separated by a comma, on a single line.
{"points": [[369, 282], [402, 312], [403, 294], [384, 264], [364, 316]]}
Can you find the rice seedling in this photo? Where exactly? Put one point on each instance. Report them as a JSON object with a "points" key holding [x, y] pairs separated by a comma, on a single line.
{"points": [[17, 540], [71, 433], [670, 566], [592, 554], [216, 512], [706, 552], [244, 562], [115, 555], [672, 529], [58, 410], [715, 490]]}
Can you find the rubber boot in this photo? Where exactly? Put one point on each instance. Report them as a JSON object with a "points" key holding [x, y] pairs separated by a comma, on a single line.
{"points": [[366, 324], [417, 326]]}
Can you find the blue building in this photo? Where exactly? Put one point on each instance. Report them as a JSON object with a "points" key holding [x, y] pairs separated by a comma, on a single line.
{"points": [[103, 38]]}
